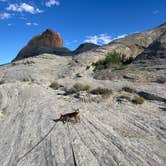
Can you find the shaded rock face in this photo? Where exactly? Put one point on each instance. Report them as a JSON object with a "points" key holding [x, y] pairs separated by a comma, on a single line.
{"points": [[155, 54], [48, 42], [85, 47]]}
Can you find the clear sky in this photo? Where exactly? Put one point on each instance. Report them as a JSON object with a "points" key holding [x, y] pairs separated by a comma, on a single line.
{"points": [[97, 21]]}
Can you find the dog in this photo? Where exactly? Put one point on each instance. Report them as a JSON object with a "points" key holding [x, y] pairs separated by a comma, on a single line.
{"points": [[67, 117]]}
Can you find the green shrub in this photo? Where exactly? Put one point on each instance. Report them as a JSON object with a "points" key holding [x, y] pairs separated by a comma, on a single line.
{"points": [[138, 100], [54, 85], [77, 88], [101, 91], [114, 59]]}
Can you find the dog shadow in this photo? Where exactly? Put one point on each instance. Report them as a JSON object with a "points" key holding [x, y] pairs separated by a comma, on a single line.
{"points": [[61, 120], [57, 120]]}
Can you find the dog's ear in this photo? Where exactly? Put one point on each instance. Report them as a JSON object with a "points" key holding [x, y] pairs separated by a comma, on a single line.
{"points": [[77, 110]]}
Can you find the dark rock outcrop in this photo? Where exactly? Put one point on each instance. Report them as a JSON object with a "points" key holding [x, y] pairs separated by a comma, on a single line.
{"points": [[155, 54], [149, 96], [85, 47]]}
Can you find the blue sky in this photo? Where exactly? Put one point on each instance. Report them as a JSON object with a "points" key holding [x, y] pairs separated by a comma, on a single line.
{"points": [[97, 21]]}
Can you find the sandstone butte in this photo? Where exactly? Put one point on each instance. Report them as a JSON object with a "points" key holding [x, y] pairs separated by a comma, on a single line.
{"points": [[48, 39]]}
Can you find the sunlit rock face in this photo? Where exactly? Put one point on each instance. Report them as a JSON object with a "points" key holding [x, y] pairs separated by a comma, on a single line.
{"points": [[49, 41]]}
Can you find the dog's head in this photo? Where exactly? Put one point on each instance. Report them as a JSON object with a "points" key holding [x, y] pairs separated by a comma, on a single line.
{"points": [[77, 110], [61, 116]]}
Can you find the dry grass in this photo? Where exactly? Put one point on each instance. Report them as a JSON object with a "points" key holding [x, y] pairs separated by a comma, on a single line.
{"points": [[138, 100], [77, 88], [101, 91]]}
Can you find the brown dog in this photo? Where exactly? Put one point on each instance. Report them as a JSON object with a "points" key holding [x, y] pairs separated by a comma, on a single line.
{"points": [[67, 117]]}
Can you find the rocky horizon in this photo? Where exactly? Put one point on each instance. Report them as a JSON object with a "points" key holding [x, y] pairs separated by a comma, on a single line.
{"points": [[51, 42]]}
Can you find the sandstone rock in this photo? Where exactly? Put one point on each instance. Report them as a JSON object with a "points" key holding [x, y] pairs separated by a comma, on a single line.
{"points": [[48, 42], [47, 39]]}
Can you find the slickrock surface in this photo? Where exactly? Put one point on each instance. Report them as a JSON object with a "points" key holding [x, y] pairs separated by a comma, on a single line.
{"points": [[111, 131]]}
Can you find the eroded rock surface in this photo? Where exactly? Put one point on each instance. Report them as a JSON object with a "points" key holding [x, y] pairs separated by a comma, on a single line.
{"points": [[109, 133]]}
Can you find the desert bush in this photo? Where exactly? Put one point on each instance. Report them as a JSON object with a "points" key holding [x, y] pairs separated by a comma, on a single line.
{"points": [[138, 100], [81, 87], [112, 59], [54, 85], [101, 91], [77, 88]]}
